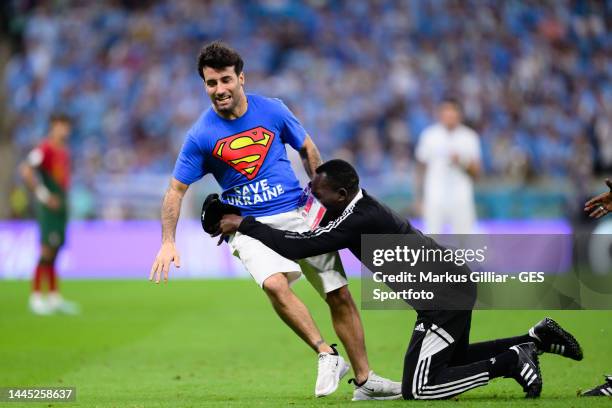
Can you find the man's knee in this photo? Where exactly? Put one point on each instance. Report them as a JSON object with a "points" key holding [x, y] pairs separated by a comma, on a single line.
{"points": [[276, 286], [340, 297], [47, 254], [408, 393]]}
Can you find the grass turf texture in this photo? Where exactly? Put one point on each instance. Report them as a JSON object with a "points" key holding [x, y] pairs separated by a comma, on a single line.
{"points": [[196, 343]]}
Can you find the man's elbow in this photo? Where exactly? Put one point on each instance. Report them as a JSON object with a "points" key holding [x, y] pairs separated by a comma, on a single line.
{"points": [[177, 188], [25, 171], [309, 149]]}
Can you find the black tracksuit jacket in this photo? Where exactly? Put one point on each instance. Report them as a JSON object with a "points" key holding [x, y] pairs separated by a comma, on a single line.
{"points": [[365, 216]]}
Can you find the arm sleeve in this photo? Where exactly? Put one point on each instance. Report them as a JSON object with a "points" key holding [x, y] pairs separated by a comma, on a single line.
{"points": [[189, 166], [35, 157], [475, 152], [295, 245], [293, 132]]}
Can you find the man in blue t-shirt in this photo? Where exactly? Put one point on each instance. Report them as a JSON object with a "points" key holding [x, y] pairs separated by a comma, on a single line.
{"points": [[241, 141]]}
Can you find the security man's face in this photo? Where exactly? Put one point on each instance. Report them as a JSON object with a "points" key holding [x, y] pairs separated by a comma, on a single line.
{"points": [[334, 200]]}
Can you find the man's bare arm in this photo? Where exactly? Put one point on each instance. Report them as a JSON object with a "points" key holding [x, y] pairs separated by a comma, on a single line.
{"points": [[311, 158], [171, 209], [28, 174]]}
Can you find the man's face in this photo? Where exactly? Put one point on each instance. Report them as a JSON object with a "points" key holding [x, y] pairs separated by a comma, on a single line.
{"points": [[450, 116], [334, 201], [224, 88], [60, 131]]}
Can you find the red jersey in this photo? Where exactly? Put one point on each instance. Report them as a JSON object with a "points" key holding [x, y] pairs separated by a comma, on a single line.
{"points": [[53, 163]]}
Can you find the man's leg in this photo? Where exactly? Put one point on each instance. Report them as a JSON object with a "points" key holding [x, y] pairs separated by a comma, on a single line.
{"points": [[45, 263], [434, 215], [489, 349], [54, 299], [259, 261], [430, 352], [293, 312], [428, 373], [463, 216], [331, 366], [466, 353], [547, 334], [48, 257], [326, 275], [348, 327], [43, 270]]}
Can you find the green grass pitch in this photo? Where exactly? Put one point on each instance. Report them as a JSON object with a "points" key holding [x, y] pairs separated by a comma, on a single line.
{"points": [[197, 343]]}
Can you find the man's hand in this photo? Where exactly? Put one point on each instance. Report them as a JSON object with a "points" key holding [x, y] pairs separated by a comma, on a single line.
{"points": [[228, 225], [601, 205], [472, 168], [54, 202], [47, 198], [166, 255], [171, 208], [455, 159]]}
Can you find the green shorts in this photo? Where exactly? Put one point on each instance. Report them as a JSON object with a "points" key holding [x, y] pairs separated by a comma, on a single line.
{"points": [[52, 226]]}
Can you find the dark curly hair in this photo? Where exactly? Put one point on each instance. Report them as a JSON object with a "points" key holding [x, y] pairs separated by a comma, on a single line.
{"points": [[217, 55]]}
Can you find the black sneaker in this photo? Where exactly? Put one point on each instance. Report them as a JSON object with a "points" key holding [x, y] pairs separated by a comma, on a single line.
{"points": [[603, 390], [553, 339], [527, 370]]}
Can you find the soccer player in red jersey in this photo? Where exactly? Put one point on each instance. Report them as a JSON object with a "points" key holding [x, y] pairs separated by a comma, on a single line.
{"points": [[46, 172]]}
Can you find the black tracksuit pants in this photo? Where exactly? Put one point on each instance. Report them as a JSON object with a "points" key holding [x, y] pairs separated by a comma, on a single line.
{"points": [[441, 363]]}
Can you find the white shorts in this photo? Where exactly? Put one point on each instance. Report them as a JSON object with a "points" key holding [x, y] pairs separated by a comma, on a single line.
{"points": [[461, 216], [324, 272]]}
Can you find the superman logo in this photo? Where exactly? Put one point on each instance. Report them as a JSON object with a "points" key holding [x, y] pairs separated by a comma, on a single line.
{"points": [[245, 152]]}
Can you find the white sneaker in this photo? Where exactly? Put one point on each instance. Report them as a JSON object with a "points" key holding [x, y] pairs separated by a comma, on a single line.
{"points": [[58, 304], [332, 368], [377, 388], [39, 306]]}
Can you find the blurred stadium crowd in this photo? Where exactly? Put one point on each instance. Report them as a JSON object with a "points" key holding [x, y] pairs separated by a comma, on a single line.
{"points": [[363, 77]]}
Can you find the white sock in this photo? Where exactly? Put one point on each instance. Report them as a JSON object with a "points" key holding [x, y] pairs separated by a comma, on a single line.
{"points": [[36, 296], [54, 299]]}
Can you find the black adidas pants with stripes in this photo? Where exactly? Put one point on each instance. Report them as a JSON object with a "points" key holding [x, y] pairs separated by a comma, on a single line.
{"points": [[441, 363]]}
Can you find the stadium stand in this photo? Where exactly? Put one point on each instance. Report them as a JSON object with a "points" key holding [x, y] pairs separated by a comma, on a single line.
{"points": [[534, 79]]}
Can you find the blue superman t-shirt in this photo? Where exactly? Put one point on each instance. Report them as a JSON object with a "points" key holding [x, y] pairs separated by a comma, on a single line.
{"points": [[246, 156]]}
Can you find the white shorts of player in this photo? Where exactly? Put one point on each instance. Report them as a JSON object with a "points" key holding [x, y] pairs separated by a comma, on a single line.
{"points": [[459, 214], [324, 272]]}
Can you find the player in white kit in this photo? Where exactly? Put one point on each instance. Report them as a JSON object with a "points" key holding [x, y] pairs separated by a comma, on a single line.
{"points": [[450, 153]]}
